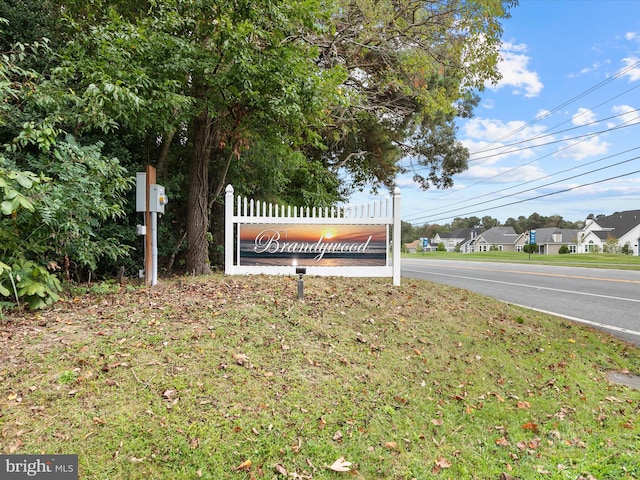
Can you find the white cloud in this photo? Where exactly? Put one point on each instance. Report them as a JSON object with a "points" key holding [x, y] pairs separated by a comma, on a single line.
{"points": [[503, 174], [488, 103], [581, 149], [491, 140], [628, 114], [632, 68], [630, 36], [583, 116], [595, 66], [513, 67], [542, 113]]}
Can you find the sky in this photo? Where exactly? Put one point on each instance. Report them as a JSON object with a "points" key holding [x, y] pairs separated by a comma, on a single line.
{"points": [[560, 133]]}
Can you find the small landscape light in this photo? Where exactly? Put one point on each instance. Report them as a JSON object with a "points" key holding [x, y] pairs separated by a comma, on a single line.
{"points": [[301, 271]]}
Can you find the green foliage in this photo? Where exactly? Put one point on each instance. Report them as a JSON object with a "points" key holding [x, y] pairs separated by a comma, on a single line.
{"points": [[33, 283], [50, 221], [563, 250], [441, 247]]}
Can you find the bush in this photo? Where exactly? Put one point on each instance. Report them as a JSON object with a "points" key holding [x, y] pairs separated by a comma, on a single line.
{"points": [[563, 249], [49, 223]]}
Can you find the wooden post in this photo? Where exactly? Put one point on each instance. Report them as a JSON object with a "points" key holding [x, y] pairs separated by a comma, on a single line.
{"points": [[148, 257]]}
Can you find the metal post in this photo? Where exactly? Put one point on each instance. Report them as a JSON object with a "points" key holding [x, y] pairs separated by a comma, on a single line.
{"points": [[154, 248]]}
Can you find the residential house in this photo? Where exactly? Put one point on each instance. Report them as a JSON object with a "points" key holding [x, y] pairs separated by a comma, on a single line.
{"points": [[503, 239], [619, 230], [420, 246], [412, 247], [457, 240], [550, 239]]}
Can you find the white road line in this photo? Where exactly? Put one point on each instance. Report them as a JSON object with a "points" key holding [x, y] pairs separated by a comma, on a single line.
{"points": [[526, 286], [579, 320]]}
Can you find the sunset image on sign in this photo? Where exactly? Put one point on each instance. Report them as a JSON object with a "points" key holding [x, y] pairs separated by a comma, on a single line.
{"points": [[313, 245]]}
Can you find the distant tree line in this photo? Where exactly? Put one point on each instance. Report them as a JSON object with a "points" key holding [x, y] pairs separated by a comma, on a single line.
{"points": [[522, 224]]}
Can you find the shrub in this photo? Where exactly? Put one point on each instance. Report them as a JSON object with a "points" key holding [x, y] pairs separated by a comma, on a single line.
{"points": [[563, 249]]}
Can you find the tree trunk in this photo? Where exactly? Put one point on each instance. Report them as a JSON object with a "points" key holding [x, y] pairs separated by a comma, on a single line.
{"points": [[197, 254]]}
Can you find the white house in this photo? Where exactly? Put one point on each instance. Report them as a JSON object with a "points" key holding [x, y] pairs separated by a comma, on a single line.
{"points": [[457, 239], [622, 229]]}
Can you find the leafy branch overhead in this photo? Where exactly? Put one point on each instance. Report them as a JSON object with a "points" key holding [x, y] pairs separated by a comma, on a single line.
{"points": [[290, 101]]}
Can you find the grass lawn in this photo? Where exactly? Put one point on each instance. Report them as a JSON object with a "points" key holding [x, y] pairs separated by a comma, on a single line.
{"points": [[593, 260], [235, 378]]}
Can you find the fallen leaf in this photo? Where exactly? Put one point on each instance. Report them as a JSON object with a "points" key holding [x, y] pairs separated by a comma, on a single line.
{"points": [[502, 441], [169, 394], [439, 464], [391, 445], [337, 436], [240, 358], [437, 421], [281, 470], [321, 423], [341, 465], [523, 405], [530, 426], [246, 465]]}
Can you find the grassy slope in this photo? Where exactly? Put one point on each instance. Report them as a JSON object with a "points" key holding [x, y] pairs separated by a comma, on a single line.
{"points": [[195, 378]]}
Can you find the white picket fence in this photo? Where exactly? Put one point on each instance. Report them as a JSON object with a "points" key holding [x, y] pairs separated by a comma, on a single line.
{"points": [[241, 210]]}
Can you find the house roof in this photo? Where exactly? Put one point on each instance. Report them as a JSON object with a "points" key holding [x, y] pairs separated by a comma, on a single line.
{"points": [[460, 233], [500, 235], [620, 222], [545, 235]]}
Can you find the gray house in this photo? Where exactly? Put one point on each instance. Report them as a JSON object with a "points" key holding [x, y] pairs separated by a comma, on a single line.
{"points": [[549, 240], [503, 239]]}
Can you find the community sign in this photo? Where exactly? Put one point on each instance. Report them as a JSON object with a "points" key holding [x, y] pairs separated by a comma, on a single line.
{"points": [[313, 245]]}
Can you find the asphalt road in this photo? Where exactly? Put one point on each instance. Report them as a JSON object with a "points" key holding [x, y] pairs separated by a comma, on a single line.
{"points": [[603, 298]]}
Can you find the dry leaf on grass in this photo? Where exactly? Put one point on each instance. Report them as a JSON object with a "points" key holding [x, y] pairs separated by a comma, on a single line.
{"points": [[341, 465], [439, 464], [281, 470], [246, 465]]}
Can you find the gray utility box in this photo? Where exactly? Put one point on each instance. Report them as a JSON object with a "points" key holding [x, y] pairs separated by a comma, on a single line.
{"points": [[157, 196]]}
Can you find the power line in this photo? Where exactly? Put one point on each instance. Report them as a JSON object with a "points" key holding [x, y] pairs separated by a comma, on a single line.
{"points": [[550, 131], [543, 196], [600, 132], [570, 101], [551, 183], [438, 212], [586, 92]]}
